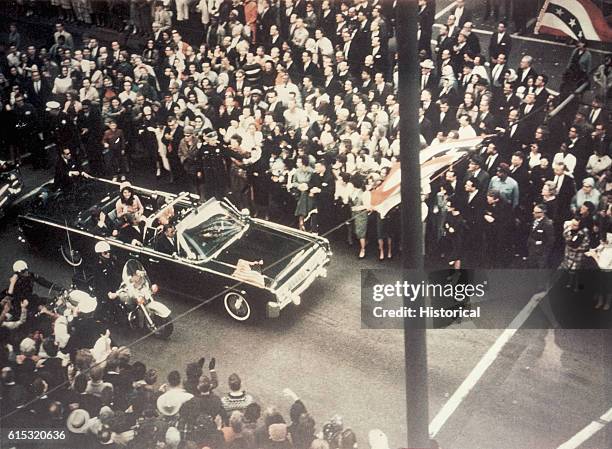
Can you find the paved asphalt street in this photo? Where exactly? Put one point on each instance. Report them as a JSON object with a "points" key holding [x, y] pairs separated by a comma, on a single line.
{"points": [[540, 388]]}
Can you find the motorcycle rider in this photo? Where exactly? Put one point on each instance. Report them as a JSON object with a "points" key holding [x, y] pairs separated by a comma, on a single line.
{"points": [[21, 286], [106, 278], [136, 289]]}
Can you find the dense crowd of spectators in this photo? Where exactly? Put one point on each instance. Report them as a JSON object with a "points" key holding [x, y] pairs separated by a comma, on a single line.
{"points": [[89, 397], [290, 108]]}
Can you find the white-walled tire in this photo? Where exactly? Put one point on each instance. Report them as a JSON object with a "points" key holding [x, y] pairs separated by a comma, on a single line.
{"points": [[238, 307]]}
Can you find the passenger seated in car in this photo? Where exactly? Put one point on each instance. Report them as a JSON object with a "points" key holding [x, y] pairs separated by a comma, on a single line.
{"points": [[100, 224], [166, 241], [132, 232], [128, 203]]}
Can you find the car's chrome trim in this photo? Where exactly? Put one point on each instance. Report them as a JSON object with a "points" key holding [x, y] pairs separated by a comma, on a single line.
{"points": [[144, 250]]}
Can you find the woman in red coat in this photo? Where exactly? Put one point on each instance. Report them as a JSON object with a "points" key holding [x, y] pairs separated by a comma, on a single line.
{"points": [[250, 16]]}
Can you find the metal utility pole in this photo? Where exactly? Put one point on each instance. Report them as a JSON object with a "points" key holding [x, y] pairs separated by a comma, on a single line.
{"points": [[415, 344]]}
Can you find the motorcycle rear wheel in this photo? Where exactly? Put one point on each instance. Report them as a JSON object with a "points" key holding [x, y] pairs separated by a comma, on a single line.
{"points": [[165, 331]]}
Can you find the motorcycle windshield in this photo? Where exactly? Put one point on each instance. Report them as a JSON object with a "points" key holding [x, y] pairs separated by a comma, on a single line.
{"points": [[135, 276]]}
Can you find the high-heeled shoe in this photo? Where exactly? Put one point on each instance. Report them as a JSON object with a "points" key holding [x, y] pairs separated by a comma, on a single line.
{"points": [[381, 256], [362, 254], [389, 256]]}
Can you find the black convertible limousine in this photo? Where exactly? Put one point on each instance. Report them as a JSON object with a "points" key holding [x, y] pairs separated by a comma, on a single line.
{"points": [[215, 244]]}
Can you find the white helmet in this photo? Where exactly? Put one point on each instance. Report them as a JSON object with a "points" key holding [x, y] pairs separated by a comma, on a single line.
{"points": [[102, 247], [20, 266]]}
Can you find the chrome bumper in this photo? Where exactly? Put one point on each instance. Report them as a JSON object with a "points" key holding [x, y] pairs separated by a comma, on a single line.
{"points": [[290, 291]]}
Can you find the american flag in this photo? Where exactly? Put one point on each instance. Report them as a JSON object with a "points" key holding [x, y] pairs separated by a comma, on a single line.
{"points": [[577, 19], [433, 159]]}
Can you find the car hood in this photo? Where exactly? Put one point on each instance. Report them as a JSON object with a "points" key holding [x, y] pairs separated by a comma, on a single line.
{"points": [[276, 247]]}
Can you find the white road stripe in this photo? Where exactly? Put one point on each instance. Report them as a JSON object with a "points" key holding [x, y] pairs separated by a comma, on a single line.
{"points": [[445, 10], [485, 362], [586, 433]]}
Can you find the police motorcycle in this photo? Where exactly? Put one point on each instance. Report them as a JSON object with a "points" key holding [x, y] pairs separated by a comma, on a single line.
{"points": [[137, 301], [11, 185], [72, 311]]}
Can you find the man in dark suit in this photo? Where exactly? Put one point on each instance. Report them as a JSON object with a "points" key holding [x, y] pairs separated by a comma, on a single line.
{"points": [[596, 114], [331, 85], [66, 171], [472, 208], [380, 56], [530, 109], [539, 90], [507, 101], [514, 134], [166, 242], [310, 69], [425, 127], [443, 42], [446, 118], [131, 233], [274, 39], [428, 79], [458, 52], [327, 20], [353, 54], [578, 146], [498, 70], [473, 43], [525, 70], [519, 171], [497, 226], [91, 129], [465, 79], [340, 27], [485, 121], [266, 19], [381, 89], [426, 20], [475, 170], [38, 90], [492, 158], [565, 185], [500, 42], [541, 239]]}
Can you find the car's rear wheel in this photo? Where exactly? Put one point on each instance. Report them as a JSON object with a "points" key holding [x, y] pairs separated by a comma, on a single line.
{"points": [[239, 307], [71, 256]]}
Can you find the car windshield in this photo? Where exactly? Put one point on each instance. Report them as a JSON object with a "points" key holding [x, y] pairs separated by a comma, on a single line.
{"points": [[210, 229]]}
